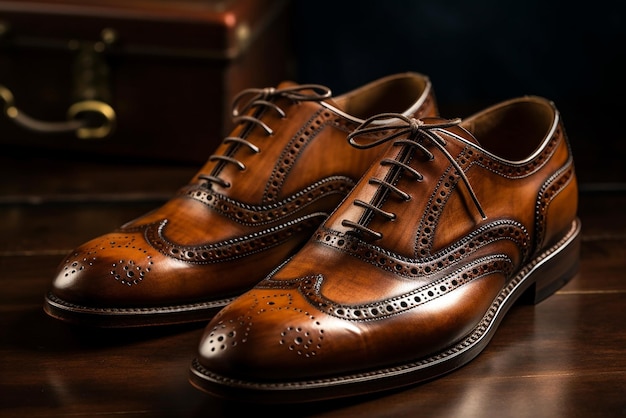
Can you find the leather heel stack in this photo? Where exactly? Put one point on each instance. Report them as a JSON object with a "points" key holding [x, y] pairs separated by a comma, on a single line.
{"points": [[554, 269]]}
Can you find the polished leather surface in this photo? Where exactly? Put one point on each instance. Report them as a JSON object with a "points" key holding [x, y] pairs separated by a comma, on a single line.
{"points": [[410, 277], [259, 197]]}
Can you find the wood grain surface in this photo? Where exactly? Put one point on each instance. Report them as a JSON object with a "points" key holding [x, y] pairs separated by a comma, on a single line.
{"points": [[565, 357]]}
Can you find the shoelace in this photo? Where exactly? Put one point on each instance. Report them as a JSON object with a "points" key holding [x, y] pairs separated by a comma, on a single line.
{"points": [[249, 112], [409, 133]]}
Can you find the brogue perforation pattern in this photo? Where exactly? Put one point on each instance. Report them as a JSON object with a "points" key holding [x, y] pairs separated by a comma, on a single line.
{"points": [[342, 124], [231, 249], [436, 202], [310, 287], [475, 335], [511, 170], [126, 271], [305, 135], [557, 182], [291, 152], [423, 266], [448, 181], [303, 342], [252, 215]]}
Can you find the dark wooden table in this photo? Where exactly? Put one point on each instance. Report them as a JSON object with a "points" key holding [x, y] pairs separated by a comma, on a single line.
{"points": [[565, 357]]}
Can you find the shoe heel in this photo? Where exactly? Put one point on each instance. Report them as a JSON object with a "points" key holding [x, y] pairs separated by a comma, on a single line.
{"points": [[554, 268]]}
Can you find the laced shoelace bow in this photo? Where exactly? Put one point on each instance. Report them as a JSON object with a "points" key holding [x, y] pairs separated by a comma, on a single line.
{"points": [[247, 108], [410, 133]]}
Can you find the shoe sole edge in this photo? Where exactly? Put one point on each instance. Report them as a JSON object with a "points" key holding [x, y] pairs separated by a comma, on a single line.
{"points": [[117, 317], [540, 278]]}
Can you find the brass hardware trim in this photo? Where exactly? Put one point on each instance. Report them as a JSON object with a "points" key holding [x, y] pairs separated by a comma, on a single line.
{"points": [[104, 110], [80, 126]]}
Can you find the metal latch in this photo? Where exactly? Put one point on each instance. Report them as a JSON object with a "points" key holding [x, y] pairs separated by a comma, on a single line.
{"points": [[90, 117]]}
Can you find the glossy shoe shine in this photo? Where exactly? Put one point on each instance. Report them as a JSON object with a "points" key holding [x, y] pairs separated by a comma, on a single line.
{"points": [[410, 277], [283, 169]]}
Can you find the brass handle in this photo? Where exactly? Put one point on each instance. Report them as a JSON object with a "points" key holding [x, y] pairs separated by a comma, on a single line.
{"points": [[105, 113], [89, 119]]}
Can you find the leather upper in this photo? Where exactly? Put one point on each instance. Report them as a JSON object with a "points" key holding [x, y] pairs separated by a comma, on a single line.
{"points": [[415, 258], [270, 183]]}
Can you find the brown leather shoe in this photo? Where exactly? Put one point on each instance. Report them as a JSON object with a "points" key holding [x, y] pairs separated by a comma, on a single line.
{"points": [[410, 277], [284, 168]]}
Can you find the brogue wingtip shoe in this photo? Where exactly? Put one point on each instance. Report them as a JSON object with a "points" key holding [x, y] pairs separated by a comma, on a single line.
{"points": [[411, 276], [283, 169]]}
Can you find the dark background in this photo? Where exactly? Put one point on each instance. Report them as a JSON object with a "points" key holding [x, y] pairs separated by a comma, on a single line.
{"points": [[480, 52], [476, 53]]}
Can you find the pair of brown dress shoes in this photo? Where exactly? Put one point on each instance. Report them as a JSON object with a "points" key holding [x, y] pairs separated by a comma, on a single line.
{"points": [[343, 245]]}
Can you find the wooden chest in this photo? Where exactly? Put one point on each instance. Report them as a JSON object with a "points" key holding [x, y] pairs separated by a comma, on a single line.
{"points": [[133, 80]]}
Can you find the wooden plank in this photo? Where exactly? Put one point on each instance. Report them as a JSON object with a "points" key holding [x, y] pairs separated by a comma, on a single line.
{"points": [[562, 357], [34, 177], [556, 356], [49, 369], [58, 228]]}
